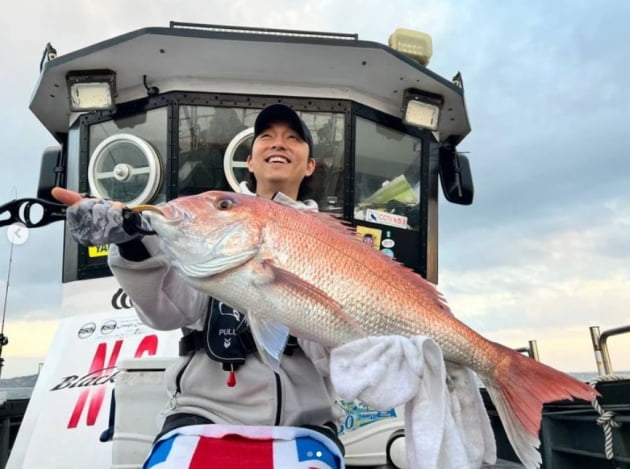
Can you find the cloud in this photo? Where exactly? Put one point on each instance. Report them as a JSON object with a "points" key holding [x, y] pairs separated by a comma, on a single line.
{"points": [[29, 342], [567, 348], [551, 287], [545, 93]]}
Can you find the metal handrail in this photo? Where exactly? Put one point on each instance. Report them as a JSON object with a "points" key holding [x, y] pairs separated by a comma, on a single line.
{"points": [[531, 350], [600, 346]]}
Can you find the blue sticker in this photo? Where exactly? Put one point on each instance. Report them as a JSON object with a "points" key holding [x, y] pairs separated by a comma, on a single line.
{"points": [[388, 252]]}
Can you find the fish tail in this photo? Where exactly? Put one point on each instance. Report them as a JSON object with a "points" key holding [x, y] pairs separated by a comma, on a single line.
{"points": [[518, 387]]}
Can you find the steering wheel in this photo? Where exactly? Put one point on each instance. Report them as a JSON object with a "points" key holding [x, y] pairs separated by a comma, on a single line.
{"points": [[229, 161], [125, 167]]}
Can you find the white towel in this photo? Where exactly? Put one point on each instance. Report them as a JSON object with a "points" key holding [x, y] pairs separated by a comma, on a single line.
{"points": [[446, 425]]}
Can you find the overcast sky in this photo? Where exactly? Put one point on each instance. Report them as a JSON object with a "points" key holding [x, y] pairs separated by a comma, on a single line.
{"points": [[544, 251]]}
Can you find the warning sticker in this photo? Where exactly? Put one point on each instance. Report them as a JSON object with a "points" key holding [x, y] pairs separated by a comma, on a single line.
{"points": [[98, 251], [385, 218]]}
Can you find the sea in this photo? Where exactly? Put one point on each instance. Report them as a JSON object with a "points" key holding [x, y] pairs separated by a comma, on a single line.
{"points": [[26, 391], [17, 392]]}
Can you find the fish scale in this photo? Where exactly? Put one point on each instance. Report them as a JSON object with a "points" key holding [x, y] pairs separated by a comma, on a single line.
{"points": [[348, 280]]}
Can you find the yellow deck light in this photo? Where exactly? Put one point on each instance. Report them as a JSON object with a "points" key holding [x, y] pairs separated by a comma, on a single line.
{"points": [[414, 44]]}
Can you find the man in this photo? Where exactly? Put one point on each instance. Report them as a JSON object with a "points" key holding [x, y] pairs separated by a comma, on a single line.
{"points": [[219, 381]]}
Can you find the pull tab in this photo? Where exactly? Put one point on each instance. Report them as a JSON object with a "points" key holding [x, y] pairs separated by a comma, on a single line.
{"points": [[231, 381]]}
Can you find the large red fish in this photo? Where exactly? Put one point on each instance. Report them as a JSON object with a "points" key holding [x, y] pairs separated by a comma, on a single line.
{"points": [[306, 274]]}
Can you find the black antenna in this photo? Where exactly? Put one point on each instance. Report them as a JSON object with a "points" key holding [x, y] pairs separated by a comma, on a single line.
{"points": [[151, 91], [50, 53]]}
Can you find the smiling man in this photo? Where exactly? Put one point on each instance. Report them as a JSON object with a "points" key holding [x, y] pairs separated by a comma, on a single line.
{"points": [[281, 158]]}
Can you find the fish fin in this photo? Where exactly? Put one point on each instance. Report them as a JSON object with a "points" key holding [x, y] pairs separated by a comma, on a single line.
{"points": [[306, 289], [518, 387], [271, 339]]}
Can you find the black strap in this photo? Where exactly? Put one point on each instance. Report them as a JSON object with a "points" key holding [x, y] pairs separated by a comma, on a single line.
{"points": [[190, 343], [292, 344], [133, 250]]}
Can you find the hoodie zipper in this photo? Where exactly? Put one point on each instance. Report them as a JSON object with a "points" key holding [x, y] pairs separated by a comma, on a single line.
{"points": [[180, 374], [278, 399]]}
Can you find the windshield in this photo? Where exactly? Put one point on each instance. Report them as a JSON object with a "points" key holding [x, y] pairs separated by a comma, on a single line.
{"points": [[387, 176], [214, 143]]}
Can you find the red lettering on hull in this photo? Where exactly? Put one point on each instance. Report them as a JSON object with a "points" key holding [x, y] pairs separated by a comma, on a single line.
{"points": [[100, 373]]}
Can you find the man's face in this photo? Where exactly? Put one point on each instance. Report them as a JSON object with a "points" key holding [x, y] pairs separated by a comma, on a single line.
{"points": [[280, 156]]}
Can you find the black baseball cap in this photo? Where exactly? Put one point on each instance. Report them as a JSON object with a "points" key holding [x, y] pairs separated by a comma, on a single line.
{"points": [[282, 113]]}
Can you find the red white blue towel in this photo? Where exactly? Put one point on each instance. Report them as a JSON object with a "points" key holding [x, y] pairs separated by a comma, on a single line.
{"points": [[232, 447]]}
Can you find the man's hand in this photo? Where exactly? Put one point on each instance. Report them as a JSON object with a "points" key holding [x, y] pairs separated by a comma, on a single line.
{"points": [[93, 222]]}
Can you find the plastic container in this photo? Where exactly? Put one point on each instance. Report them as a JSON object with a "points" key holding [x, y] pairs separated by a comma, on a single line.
{"points": [[140, 396]]}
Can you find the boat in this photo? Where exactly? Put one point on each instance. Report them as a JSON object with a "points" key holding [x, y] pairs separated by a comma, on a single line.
{"points": [[162, 112]]}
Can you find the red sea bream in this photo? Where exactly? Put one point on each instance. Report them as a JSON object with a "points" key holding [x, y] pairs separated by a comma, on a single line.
{"points": [[306, 274]]}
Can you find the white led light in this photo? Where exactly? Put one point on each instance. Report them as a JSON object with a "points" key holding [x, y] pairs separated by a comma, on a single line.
{"points": [[91, 90], [422, 114], [90, 96]]}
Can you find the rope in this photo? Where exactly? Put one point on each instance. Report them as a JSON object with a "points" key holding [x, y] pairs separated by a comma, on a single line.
{"points": [[606, 418]]}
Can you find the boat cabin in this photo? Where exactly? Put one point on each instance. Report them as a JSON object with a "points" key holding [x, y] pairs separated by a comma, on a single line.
{"points": [[164, 112]]}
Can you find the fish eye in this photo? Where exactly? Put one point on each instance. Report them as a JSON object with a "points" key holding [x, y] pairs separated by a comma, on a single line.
{"points": [[224, 204]]}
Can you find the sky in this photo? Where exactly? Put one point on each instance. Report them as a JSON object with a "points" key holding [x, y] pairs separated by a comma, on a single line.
{"points": [[544, 251]]}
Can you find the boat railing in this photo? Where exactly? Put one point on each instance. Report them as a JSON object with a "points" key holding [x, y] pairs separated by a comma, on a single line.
{"points": [[531, 350], [265, 31], [600, 346]]}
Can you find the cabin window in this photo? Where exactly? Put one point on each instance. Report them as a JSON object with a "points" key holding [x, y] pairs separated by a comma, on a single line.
{"points": [[214, 143], [205, 132], [128, 157], [328, 131], [387, 176]]}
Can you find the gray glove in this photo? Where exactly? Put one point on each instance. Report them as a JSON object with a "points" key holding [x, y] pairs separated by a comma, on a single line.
{"points": [[94, 222]]}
